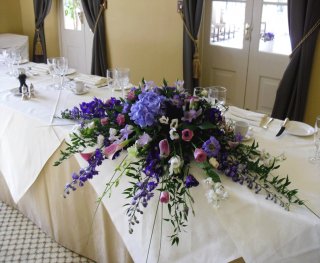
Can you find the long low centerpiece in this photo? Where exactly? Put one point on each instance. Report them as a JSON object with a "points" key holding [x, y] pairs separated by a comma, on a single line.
{"points": [[162, 131]]}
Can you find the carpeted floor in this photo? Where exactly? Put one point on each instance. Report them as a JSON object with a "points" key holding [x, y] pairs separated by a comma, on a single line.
{"points": [[22, 241]]}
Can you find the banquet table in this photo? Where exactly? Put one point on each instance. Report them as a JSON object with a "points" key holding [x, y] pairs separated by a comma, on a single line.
{"points": [[246, 225], [19, 42]]}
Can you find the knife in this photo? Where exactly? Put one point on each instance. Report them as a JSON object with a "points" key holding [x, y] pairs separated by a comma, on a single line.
{"points": [[283, 127]]}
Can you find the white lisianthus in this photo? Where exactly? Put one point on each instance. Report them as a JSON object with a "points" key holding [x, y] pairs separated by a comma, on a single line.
{"points": [[91, 125], [175, 165], [214, 163], [174, 124], [173, 134], [113, 135], [164, 120], [100, 140]]}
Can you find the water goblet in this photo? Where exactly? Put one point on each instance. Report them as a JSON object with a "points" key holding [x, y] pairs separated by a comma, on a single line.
{"points": [[316, 138], [123, 78], [111, 79], [217, 95], [60, 65]]}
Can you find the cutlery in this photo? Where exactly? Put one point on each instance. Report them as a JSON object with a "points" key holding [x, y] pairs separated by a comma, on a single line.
{"points": [[283, 127], [266, 125]]}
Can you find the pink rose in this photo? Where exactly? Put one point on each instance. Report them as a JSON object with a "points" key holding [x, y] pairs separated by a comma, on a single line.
{"points": [[104, 121], [187, 135], [199, 155], [86, 156], [164, 148], [121, 119], [164, 197]]}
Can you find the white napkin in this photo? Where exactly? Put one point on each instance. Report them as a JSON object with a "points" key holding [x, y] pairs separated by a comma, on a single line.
{"points": [[40, 68], [253, 118], [96, 81]]}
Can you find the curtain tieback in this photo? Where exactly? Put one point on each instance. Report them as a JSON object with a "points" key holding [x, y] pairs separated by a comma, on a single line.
{"points": [[313, 28], [38, 47], [103, 6], [196, 57]]}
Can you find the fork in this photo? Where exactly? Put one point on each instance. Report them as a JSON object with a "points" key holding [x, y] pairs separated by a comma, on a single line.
{"points": [[266, 125]]}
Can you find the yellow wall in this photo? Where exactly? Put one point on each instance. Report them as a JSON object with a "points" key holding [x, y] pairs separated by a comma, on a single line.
{"points": [[10, 17], [50, 27], [145, 36], [313, 102]]}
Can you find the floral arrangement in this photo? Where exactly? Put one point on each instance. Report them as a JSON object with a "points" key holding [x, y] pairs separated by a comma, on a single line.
{"points": [[162, 131]]}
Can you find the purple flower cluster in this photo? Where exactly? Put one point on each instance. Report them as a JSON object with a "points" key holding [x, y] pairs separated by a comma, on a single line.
{"points": [[211, 147], [85, 174], [145, 111]]}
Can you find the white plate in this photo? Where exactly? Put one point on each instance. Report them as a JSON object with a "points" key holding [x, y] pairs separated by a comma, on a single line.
{"points": [[126, 88], [23, 61], [70, 71], [15, 92], [299, 128], [85, 90]]}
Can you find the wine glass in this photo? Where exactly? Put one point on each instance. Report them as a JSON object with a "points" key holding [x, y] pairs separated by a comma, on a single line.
{"points": [[316, 137], [217, 96], [123, 78], [60, 66]]}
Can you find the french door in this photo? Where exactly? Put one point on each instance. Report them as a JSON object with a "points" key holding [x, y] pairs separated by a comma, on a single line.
{"points": [[75, 36], [245, 47]]}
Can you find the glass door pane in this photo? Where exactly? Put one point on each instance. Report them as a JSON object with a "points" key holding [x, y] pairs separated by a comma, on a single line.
{"points": [[274, 32], [227, 23], [72, 14]]}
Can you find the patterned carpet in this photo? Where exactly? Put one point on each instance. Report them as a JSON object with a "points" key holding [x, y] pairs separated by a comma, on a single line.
{"points": [[22, 241]]}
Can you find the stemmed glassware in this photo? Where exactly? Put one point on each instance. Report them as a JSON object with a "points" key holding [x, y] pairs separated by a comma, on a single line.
{"points": [[60, 67], [123, 78], [316, 137], [217, 95]]}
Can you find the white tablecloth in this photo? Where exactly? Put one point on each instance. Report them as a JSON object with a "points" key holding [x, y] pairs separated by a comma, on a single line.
{"points": [[20, 42], [246, 225]]}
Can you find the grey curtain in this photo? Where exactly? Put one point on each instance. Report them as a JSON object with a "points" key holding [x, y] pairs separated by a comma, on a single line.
{"points": [[293, 89], [41, 10], [95, 19], [192, 12]]}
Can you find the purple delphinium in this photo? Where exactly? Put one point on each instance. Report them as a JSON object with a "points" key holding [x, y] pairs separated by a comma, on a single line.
{"points": [[191, 181], [145, 111], [211, 147], [85, 174], [93, 109], [213, 115]]}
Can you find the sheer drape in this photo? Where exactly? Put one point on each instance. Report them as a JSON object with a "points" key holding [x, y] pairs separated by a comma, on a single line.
{"points": [[192, 12], [293, 89], [94, 12], [41, 10]]}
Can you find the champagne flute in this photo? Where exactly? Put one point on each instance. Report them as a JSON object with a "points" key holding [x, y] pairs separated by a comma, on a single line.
{"points": [[316, 137]]}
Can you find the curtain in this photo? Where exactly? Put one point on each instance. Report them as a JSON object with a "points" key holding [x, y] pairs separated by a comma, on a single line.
{"points": [[292, 92], [41, 10], [191, 13], [93, 11]]}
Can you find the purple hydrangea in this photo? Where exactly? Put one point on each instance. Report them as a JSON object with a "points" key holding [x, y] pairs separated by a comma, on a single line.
{"points": [[211, 147], [146, 110]]}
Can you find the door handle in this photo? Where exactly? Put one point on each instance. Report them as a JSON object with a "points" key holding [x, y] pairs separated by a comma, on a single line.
{"points": [[247, 31]]}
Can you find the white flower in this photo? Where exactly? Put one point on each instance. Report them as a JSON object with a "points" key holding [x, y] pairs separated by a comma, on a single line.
{"points": [[76, 129], [214, 163], [132, 151], [100, 140], [174, 123], [164, 120], [173, 134], [91, 125], [179, 85], [175, 165], [211, 196], [112, 135]]}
